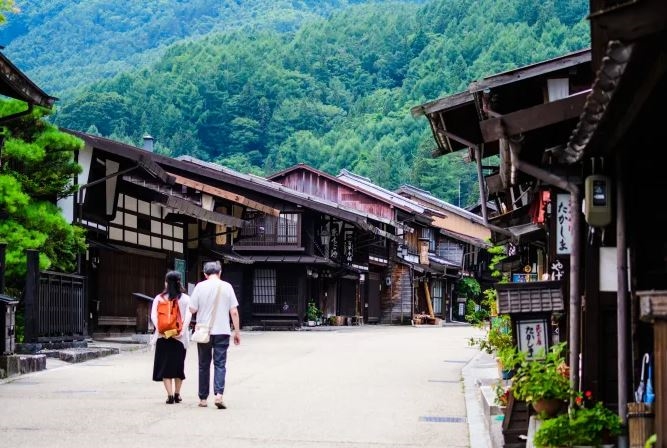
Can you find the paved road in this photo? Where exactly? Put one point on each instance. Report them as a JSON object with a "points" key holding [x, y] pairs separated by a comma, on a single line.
{"points": [[354, 387]]}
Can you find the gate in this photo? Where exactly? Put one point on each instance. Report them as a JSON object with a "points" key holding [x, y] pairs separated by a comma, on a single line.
{"points": [[55, 304]]}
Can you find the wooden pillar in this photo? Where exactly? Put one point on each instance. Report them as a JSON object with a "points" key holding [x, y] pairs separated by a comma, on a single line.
{"points": [[3, 246], [31, 295], [653, 306]]}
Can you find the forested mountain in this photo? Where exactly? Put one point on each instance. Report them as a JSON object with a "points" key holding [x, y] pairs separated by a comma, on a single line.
{"points": [[333, 91], [66, 43]]}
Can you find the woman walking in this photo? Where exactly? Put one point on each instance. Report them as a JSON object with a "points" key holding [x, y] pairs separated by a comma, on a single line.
{"points": [[170, 346]]}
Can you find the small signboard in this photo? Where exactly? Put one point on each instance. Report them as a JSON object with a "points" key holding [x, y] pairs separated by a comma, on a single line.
{"points": [[532, 337], [179, 265]]}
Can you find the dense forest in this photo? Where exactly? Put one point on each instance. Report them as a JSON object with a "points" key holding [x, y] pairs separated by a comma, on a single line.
{"points": [[325, 83]]}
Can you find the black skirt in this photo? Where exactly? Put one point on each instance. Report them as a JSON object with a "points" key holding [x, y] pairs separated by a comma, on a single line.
{"points": [[169, 359]]}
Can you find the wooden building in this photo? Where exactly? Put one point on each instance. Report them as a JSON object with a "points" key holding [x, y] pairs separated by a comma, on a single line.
{"points": [[524, 117], [461, 241], [585, 148], [146, 213], [406, 276], [620, 125]]}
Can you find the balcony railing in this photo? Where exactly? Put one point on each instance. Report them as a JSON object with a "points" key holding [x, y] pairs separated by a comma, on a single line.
{"points": [[269, 234]]}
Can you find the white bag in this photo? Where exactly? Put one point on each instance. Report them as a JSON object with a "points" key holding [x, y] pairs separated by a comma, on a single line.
{"points": [[201, 335]]}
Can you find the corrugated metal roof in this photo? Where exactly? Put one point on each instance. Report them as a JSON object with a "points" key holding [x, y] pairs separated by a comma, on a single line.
{"points": [[365, 183], [442, 261], [427, 196], [530, 297]]}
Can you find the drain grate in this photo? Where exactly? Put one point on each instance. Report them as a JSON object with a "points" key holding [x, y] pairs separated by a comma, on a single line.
{"points": [[431, 419], [444, 381]]}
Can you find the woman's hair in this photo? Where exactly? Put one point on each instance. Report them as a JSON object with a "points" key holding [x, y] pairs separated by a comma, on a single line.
{"points": [[174, 287]]}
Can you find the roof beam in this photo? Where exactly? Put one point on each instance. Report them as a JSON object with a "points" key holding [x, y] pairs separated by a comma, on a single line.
{"points": [[219, 192], [532, 118], [189, 208]]}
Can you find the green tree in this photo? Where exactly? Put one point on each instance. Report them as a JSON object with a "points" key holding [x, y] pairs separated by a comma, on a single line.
{"points": [[36, 169]]}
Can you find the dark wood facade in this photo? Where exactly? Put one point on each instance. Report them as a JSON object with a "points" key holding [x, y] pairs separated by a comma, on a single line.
{"points": [[280, 248], [607, 131], [413, 270]]}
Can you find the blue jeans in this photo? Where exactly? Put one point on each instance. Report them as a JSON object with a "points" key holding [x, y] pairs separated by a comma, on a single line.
{"points": [[216, 348]]}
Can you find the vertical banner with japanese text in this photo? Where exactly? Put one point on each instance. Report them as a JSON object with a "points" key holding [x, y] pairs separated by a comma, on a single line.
{"points": [[563, 224]]}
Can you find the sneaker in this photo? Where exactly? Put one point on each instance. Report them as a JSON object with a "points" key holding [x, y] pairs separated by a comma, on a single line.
{"points": [[219, 403]]}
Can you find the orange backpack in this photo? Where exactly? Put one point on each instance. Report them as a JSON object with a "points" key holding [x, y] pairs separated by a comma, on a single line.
{"points": [[169, 320]]}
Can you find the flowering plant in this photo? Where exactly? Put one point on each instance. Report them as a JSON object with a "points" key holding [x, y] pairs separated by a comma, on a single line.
{"points": [[541, 379], [585, 424]]}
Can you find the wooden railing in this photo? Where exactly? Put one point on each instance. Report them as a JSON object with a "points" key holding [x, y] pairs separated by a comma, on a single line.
{"points": [[269, 234]]}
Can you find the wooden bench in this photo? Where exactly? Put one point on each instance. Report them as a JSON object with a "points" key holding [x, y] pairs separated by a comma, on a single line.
{"points": [[279, 324], [278, 321], [116, 321]]}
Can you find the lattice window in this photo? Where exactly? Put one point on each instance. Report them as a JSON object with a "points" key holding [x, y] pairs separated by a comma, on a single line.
{"points": [[264, 286], [450, 251], [288, 224], [429, 234], [437, 296]]}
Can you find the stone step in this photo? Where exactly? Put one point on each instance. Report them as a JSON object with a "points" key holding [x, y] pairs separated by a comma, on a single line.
{"points": [[74, 355], [11, 365]]}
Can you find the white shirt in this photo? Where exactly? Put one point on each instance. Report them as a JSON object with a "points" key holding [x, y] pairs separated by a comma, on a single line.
{"points": [[183, 302], [203, 299]]}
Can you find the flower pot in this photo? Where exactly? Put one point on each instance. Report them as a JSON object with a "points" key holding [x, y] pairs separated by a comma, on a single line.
{"points": [[548, 406]]}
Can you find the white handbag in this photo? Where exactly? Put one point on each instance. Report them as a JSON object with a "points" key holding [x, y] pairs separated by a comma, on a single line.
{"points": [[202, 333]]}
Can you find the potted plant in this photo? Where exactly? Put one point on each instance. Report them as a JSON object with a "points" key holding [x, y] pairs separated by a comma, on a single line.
{"points": [[313, 313], [496, 341], [584, 426], [544, 383]]}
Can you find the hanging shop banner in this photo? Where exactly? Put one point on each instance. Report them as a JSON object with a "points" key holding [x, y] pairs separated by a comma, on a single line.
{"points": [[563, 224]]}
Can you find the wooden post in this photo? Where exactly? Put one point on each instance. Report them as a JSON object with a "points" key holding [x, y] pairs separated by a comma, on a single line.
{"points": [[3, 246], [428, 299], [31, 295], [653, 308]]}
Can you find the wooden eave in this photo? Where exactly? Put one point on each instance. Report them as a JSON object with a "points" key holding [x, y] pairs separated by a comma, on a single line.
{"points": [[531, 71], [224, 194], [183, 204], [530, 297], [532, 118], [446, 103], [15, 84], [455, 120]]}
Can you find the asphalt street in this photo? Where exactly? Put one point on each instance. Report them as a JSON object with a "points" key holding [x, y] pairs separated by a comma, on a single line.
{"points": [[371, 386]]}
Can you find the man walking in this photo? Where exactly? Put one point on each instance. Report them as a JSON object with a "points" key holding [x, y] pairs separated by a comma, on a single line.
{"points": [[209, 296]]}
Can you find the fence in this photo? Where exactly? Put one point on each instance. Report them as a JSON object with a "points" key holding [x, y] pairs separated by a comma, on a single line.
{"points": [[55, 304]]}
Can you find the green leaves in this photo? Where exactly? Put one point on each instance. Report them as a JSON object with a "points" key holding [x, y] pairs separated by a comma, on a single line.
{"points": [[541, 378], [37, 168]]}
